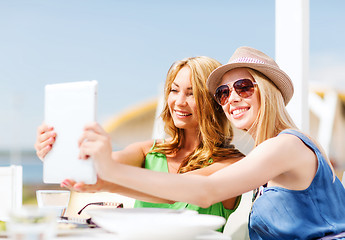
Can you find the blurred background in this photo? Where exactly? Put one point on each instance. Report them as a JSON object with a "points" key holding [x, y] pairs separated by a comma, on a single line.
{"points": [[128, 47]]}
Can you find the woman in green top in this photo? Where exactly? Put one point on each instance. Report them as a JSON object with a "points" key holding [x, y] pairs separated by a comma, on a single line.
{"points": [[199, 140]]}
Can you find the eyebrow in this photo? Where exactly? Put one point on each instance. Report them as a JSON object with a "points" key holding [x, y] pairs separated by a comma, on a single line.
{"points": [[190, 88]]}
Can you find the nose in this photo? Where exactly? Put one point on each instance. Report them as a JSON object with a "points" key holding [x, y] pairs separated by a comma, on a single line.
{"points": [[234, 97], [180, 99]]}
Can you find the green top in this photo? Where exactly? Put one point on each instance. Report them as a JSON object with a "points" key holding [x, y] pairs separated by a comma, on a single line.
{"points": [[158, 162]]}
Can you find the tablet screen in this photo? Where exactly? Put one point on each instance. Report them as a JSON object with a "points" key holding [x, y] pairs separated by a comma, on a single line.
{"points": [[68, 107]]}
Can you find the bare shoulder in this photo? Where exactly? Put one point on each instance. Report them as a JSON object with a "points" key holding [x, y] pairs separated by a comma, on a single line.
{"points": [[228, 161], [291, 143], [143, 146], [298, 149], [283, 143], [285, 149], [147, 145], [133, 154]]}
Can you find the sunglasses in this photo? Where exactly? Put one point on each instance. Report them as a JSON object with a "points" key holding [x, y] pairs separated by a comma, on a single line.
{"points": [[243, 87], [114, 204]]}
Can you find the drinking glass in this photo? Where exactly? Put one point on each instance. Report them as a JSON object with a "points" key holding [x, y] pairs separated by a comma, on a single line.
{"points": [[31, 223], [53, 199]]}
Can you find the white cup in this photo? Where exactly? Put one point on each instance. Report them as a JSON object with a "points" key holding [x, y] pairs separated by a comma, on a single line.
{"points": [[53, 199]]}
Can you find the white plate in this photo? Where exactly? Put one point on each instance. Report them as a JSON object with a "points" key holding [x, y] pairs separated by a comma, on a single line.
{"points": [[155, 223]]}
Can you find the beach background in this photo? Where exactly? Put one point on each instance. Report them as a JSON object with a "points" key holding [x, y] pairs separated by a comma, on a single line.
{"points": [[128, 46]]}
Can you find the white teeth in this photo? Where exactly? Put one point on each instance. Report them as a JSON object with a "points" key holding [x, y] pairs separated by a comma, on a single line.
{"points": [[182, 114], [238, 111]]}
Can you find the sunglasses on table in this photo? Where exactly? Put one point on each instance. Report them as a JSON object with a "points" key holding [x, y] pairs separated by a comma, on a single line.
{"points": [[113, 204], [243, 87], [81, 222]]}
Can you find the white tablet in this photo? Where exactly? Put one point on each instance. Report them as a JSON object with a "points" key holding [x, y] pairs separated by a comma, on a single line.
{"points": [[68, 107]]}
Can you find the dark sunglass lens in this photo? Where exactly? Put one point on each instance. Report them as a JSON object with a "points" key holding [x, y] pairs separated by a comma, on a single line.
{"points": [[244, 88], [222, 94]]}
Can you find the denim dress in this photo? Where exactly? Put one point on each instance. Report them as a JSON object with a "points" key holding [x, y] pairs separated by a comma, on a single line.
{"points": [[313, 213]]}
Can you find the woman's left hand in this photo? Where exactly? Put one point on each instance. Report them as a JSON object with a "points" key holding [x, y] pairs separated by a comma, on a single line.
{"points": [[95, 142]]}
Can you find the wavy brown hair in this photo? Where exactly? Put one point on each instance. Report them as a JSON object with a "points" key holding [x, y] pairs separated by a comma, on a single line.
{"points": [[215, 131]]}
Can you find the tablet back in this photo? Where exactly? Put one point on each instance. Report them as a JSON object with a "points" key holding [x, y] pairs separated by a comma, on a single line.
{"points": [[68, 107]]}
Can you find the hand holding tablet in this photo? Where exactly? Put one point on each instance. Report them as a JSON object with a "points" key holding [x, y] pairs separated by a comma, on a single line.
{"points": [[68, 108]]}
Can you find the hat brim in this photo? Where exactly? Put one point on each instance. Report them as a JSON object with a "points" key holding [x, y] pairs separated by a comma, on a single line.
{"points": [[276, 75]]}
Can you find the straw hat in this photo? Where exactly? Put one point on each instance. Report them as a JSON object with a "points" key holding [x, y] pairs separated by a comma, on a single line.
{"points": [[252, 58]]}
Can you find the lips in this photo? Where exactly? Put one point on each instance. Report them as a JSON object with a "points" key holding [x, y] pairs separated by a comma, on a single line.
{"points": [[239, 112], [182, 113]]}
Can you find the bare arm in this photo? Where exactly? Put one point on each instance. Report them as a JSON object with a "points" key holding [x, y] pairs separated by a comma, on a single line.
{"points": [[271, 159], [106, 186], [134, 155], [228, 203]]}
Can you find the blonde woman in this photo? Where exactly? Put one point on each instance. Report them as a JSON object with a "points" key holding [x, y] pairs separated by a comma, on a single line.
{"points": [[199, 143], [299, 196]]}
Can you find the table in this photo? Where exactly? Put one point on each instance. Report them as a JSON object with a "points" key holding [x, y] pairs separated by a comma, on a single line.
{"points": [[98, 233]]}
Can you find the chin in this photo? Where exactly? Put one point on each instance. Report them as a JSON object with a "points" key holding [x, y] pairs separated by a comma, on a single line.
{"points": [[239, 125], [242, 128], [243, 124]]}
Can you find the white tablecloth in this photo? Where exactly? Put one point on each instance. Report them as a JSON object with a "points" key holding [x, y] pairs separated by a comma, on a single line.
{"points": [[98, 233]]}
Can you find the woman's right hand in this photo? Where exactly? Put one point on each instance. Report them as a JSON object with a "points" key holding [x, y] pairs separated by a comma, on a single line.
{"points": [[44, 140], [99, 186]]}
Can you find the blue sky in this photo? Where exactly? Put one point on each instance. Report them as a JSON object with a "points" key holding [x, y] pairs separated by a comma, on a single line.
{"points": [[128, 46]]}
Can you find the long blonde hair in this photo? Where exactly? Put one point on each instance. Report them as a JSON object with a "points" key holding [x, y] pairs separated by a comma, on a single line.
{"points": [[215, 132], [273, 116]]}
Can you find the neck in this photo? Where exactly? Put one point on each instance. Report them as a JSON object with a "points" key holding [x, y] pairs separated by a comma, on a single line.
{"points": [[191, 139], [251, 132]]}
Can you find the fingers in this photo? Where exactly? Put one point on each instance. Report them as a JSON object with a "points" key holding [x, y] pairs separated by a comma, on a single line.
{"points": [[43, 152], [79, 186], [88, 148], [44, 132], [46, 135], [68, 183], [43, 128], [88, 135], [45, 140], [94, 127], [73, 186], [91, 132], [93, 140]]}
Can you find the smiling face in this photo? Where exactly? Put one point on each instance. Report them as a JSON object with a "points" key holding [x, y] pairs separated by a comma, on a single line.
{"points": [[181, 101], [242, 112]]}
